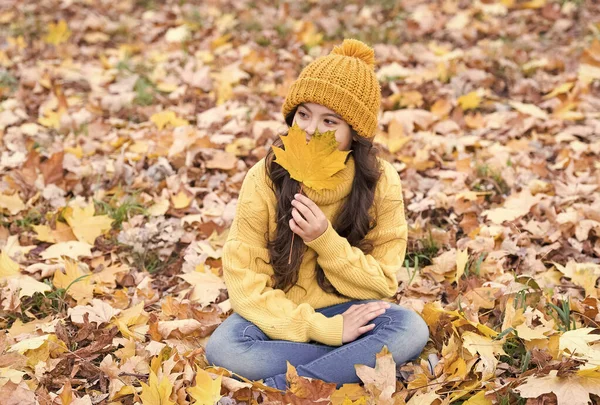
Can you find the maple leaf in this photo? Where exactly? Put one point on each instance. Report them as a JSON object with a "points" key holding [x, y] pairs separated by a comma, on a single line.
{"points": [[573, 389], [314, 390], [487, 350], [381, 380], [164, 118], [57, 33], [312, 164], [26, 285], [85, 225], [12, 203], [75, 281], [132, 322], [207, 390], [155, 392]]}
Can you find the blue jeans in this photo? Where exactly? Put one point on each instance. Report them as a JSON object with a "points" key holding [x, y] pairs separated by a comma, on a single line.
{"points": [[241, 347]]}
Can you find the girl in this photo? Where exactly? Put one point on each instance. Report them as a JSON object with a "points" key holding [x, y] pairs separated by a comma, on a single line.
{"points": [[324, 311]]}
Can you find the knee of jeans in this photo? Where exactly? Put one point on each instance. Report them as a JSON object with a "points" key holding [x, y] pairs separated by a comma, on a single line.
{"points": [[411, 332]]}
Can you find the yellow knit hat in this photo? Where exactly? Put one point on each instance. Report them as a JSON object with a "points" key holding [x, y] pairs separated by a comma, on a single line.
{"points": [[343, 81]]}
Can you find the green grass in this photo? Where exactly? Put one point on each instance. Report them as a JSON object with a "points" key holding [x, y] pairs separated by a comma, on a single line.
{"points": [[426, 250], [151, 261], [120, 212], [563, 318], [487, 175], [32, 217]]}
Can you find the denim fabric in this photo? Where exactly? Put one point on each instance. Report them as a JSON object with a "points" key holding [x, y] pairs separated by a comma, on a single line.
{"points": [[241, 347]]}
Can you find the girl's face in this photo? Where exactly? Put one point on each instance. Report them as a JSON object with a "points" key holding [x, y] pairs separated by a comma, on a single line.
{"points": [[310, 116]]}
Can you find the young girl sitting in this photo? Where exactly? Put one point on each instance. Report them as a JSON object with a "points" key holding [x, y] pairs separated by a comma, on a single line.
{"points": [[322, 308]]}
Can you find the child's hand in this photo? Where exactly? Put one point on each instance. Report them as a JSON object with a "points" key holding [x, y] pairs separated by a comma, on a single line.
{"points": [[308, 220]]}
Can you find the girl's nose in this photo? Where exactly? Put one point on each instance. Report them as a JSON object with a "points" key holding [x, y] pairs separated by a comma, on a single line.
{"points": [[310, 129]]}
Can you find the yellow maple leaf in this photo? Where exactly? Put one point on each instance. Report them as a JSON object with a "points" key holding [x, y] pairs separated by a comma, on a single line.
{"points": [[62, 233], [163, 118], [77, 282], [26, 285], [155, 392], [39, 348], [478, 399], [8, 267], [181, 200], [207, 390], [381, 380], [85, 225], [312, 164], [487, 350], [57, 33], [569, 390], [469, 101], [12, 203], [132, 322], [462, 257]]}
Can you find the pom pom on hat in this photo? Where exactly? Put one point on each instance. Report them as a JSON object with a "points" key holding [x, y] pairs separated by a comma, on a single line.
{"points": [[357, 49]]}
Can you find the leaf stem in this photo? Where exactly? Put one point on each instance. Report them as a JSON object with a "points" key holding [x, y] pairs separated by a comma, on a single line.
{"points": [[293, 234]]}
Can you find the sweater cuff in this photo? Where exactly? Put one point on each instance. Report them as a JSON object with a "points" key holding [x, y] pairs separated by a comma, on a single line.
{"points": [[328, 243], [326, 330]]}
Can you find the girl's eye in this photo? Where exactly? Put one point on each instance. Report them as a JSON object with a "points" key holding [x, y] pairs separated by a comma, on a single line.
{"points": [[331, 122], [302, 114]]}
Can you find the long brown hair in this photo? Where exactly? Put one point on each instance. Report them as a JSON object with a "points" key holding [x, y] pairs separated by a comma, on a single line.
{"points": [[352, 222]]}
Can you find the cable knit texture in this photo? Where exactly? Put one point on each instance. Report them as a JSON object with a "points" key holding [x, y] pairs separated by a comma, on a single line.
{"points": [[291, 316], [343, 81]]}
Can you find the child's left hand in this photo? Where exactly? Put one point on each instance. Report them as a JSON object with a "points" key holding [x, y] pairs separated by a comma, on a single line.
{"points": [[308, 220]]}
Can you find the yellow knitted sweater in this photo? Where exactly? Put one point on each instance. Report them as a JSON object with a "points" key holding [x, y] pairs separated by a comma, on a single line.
{"points": [[291, 316]]}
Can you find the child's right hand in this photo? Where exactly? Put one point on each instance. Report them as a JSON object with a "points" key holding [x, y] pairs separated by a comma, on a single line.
{"points": [[358, 315]]}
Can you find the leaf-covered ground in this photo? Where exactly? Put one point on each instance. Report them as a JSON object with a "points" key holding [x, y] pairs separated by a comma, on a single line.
{"points": [[127, 128]]}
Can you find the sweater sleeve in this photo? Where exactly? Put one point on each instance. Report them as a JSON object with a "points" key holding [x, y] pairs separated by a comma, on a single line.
{"points": [[247, 273], [369, 276]]}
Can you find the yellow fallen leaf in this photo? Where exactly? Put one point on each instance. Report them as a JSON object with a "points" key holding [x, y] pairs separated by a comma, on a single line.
{"points": [[72, 249], [159, 208], [487, 349], [529, 109], [241, 146], [76, 281], [313, 164], [132, 322], [8, 374], [582, 274], [577, 342], [206, 391], [462, 257], [469, 101], [8, 267], [26, 285], [206, 287], [39, 348], [533, 4], [155, 392], [12, 203], [423, 399], [164, 118], [57, 33], [62, 233], [85, 225], [381, 380], [478, 399], [181, 200], [571, 389], [561, 89]]}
